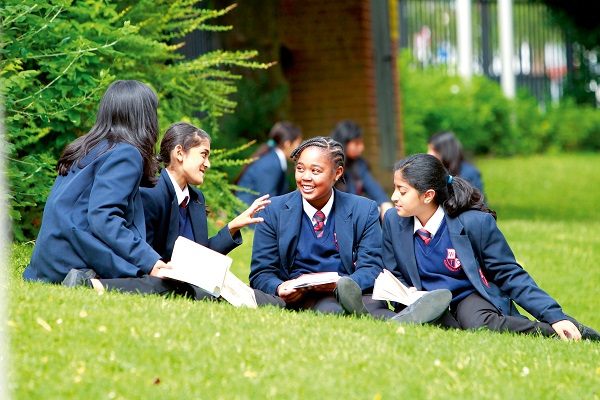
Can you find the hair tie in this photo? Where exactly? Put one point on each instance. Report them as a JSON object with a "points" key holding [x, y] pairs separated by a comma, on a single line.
{"points": [[271, 143], [450, 177]]}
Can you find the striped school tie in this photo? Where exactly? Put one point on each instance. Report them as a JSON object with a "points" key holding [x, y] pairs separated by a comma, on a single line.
{"points": [[425, 235], [319, 223], [183, 204]]}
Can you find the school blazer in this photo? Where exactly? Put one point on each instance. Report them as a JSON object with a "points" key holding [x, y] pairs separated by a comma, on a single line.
{"points": [[94, 218], [263, 176], [162, 220], [486, 257], [275, 240], [471, 174]]}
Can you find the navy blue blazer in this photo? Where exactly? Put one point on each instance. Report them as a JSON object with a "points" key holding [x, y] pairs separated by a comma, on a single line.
{"points": [[162, 220], [471, 174], [359, 170], [94, 218], [264, 176], [486, 258], [275, 240]]}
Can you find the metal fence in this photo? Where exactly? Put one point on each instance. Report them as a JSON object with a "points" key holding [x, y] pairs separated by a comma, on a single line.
{"points": [[542, 57]]}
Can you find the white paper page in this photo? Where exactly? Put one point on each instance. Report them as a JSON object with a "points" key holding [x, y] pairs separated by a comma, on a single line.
{"points": [[237, 292], [388, 287], [198, 265], [319, 278]]}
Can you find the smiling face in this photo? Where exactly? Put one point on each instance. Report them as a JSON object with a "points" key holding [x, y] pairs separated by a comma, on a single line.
{"points": [[315, 176], [189, 167], [409, 202]]}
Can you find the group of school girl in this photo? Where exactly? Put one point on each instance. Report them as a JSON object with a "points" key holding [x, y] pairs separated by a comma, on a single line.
{"points": [[111, 221]]}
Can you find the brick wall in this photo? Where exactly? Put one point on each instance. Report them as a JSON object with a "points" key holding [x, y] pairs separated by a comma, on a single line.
{"points": [[330, 68]]}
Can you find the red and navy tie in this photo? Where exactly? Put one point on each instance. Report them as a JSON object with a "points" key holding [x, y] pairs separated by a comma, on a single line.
{"points": [[183, 204], [319, 223], [424, 234]]}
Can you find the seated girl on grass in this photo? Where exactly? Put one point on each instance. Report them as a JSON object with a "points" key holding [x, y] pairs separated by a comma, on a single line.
{"points": [[174, 208], [94, 216], [317, 228], [442, 235]]}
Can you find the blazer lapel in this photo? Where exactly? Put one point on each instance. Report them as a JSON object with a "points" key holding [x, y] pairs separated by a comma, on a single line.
{"points": [[173, 227], [464, 251], [290, 221], [344, 230], [407, 250], [197, 210]]}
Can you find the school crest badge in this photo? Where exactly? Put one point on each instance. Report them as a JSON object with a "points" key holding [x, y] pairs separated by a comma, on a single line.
{"points": [[452, 262]]}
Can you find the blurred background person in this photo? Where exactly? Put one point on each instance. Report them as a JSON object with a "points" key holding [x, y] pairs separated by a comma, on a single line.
{"points": [[448, 149], [356, 171], [268, 173]]}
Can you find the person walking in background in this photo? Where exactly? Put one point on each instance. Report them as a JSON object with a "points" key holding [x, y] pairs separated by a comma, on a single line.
{"points": [[267, 174], [442, 235], [319, 229], [94, 215], [357, 177], [446, 147], [174, 208]]}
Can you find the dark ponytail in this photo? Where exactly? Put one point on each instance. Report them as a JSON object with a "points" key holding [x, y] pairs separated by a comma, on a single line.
{"points": [[454, 194]]}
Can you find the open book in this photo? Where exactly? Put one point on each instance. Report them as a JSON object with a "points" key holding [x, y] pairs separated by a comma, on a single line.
{"points": [[316, 279], [193, 263], [388, 287], [237, 292], [209, 270]]}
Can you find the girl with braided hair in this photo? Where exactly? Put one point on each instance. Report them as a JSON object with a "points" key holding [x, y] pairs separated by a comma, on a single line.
{"points": [[317, 228], [441, 234]]}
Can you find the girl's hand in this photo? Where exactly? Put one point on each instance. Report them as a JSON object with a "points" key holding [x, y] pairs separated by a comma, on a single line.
{"points": [[156, 270], [288, 293], [566, 330], [247, 217]]}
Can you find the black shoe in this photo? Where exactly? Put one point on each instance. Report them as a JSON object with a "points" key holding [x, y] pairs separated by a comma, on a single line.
{"points": [[349, 295], [427, 308], [587, 333], [79, 277]]}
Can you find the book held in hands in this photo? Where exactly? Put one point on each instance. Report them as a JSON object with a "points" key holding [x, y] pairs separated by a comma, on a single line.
{"points": [[316, 279], [209, 270], [388, 287]]}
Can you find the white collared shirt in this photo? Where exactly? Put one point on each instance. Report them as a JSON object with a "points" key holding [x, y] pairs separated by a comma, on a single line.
{"points": [[433, 224], [282, 159], [310, 210], [181, 194]]}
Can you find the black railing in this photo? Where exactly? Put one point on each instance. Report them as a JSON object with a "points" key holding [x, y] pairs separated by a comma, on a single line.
{"points": [[541, 60]]}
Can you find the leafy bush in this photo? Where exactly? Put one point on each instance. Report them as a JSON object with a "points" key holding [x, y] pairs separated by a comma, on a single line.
{"points": [[484, 120], [59, 56]]}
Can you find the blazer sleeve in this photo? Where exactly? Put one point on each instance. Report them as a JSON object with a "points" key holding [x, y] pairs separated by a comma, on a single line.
{"points": [[502, 268], [265, 269], [367, 252], [223, 242], [371, 187], [113, 192]]}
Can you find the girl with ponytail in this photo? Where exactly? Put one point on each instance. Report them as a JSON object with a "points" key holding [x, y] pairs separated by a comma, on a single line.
{"points": [[441, 235]]}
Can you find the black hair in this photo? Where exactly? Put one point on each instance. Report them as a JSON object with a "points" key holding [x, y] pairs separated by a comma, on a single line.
{"points": [[127, 113], [346, 131], [447, 145], [333, 148], [281, 132], [454, 194], [180, 134]]}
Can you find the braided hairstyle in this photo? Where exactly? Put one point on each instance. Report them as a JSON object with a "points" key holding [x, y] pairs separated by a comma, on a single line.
{"points": [[333, 148], [454, 194]]}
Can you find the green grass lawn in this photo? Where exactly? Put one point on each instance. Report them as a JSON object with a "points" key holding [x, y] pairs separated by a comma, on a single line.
{"points": [[74, 343]]}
